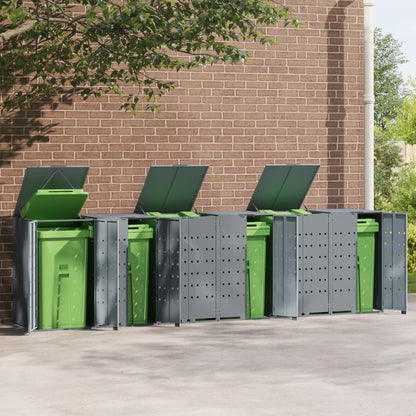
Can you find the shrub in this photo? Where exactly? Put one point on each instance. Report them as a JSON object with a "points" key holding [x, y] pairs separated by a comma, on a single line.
{"points": [[411, 248], [403, 197]]}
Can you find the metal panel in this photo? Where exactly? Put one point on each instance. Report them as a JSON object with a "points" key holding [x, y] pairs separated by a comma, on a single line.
{"points": [[168, 300], [313, 264], [400, 262], [394, 261], [386, 229], [33, 276], [170, 189], [282, 187], [106, 273], [54, 177], [232, 236], [120, 236], [285, 283], [343, 262], [198, 277], [25, 273]]}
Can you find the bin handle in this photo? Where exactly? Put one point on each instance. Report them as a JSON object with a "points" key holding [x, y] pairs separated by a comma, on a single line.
{"points": [[63, 274], [53, 175], [358, 285], [59, 190], [248, 287], [130, 293]]}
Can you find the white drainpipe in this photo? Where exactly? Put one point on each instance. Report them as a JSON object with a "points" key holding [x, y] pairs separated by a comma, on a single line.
{"points": [[369, 103]]}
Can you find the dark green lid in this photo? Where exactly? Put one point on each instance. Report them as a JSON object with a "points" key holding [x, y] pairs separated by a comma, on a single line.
{"points": [[53, 177], [282, 187], [170, 189]]}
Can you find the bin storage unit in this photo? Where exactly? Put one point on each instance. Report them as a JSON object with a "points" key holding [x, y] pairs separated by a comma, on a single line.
{"points": [[200, 261], [50, 253], [312, 258], [390, 258]]}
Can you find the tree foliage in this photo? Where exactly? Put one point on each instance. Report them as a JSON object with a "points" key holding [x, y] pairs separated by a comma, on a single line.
{"points": [[388, 93], [388, 81], [404, 127], [388, 158], [93, 47], [403, 199]]}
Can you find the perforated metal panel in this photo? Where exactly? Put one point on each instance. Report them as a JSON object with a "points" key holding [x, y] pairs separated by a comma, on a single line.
{"points": [[343, 262], [232, 266], [394, 261], [168, 301], [198, 278], [313, 264], [285, 284], [108, 274]]}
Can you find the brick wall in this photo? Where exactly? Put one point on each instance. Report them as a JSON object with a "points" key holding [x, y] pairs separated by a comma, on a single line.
{"points": [[298, 102]]}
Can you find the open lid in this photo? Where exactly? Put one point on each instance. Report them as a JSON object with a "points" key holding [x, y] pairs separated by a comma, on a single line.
{"points": [[170, 189], [282, 187], [53, 177]]}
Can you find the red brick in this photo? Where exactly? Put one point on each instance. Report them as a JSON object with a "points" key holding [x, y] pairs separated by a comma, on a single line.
{"points": [[282, 106]]}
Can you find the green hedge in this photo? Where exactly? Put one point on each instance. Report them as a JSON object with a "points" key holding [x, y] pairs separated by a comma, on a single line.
{"points": [[411, 248]]}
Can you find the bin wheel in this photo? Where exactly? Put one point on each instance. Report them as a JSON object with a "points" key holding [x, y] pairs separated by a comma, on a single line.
{"points": [[404, 312]]}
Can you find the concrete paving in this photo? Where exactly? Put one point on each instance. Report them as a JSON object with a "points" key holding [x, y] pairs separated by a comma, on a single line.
{"points": [[323, 365]]}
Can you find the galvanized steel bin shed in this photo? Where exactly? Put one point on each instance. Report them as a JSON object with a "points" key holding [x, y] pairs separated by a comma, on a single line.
{"points": [[102, 296]]}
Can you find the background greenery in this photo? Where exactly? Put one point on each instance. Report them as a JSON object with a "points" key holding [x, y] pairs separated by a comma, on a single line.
{"points": [[394, 120]]}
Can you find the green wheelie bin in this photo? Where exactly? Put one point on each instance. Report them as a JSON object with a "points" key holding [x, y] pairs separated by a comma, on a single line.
{"points": [[62, 271], [257, 233], [139, 236], [366, 236]]}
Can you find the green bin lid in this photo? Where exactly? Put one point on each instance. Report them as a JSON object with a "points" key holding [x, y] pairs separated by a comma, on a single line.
{"points": [[60, 233], [282, 187], [140, 231], [162, 215], [54, 204], [188, 214], [267, 220], [367, 225], [53, 177], [299, 212], [170, 189], [270, 211], [257, 229]]}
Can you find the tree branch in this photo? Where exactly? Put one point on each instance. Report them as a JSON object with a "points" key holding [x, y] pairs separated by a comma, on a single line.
{"points": [[11, 33]]}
